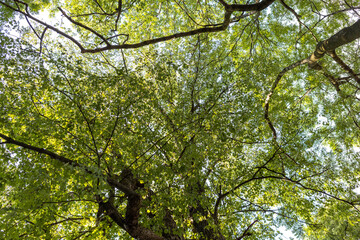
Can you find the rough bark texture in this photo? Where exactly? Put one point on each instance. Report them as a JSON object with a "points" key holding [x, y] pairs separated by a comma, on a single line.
{"points": [[344, 36]]}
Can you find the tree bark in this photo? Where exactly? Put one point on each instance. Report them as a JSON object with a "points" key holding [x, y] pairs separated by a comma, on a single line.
{"points": [[344, 36], [229, 9]]}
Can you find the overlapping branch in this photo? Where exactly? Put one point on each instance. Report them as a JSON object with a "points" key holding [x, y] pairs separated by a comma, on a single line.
{"points": [[229, 9], [130, 223], [344, 36]]}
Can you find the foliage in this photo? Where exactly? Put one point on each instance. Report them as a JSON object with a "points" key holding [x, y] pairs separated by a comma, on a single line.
{"points": [[213, 135]]}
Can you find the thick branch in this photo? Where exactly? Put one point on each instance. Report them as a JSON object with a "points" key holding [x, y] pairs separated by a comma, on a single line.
{"points": [[121, 187], [135, 231], [229, 9], [222, 27], [344, 66], [65, 160], [52, 155], [202, 226], [249, 7], [119, 10], [344, 36], [132, 214]]}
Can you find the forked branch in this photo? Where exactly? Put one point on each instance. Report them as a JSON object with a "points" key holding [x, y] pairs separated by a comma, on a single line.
{"points": [[229, 9], [344, 36]]}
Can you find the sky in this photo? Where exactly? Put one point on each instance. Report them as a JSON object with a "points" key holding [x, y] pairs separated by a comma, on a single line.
{"points": [[287, 234]]}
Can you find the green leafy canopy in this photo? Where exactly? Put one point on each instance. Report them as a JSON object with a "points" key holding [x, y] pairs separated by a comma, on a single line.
{"points": [[178, 120]]}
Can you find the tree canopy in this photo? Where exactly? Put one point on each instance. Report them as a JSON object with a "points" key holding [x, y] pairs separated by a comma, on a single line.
{"points": [[179, 119]]}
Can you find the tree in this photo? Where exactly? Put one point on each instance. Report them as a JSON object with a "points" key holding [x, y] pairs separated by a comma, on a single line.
{"points": [[179, 119]]}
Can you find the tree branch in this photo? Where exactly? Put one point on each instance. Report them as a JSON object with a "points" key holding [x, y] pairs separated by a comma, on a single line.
{"points": [[229, 9], [222, 27], [119, 10], [52, 155], [133, 228], [344, 65], [223, 195], [130, 223], [297, 16], [247, 7], [65, 160], [84, 26], [344, 36], [246, 232], [44, 24], [42, 38], [272, 90]]}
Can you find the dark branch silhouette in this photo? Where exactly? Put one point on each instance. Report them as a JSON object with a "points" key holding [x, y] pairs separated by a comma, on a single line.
{"points": [[229, 9]]}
